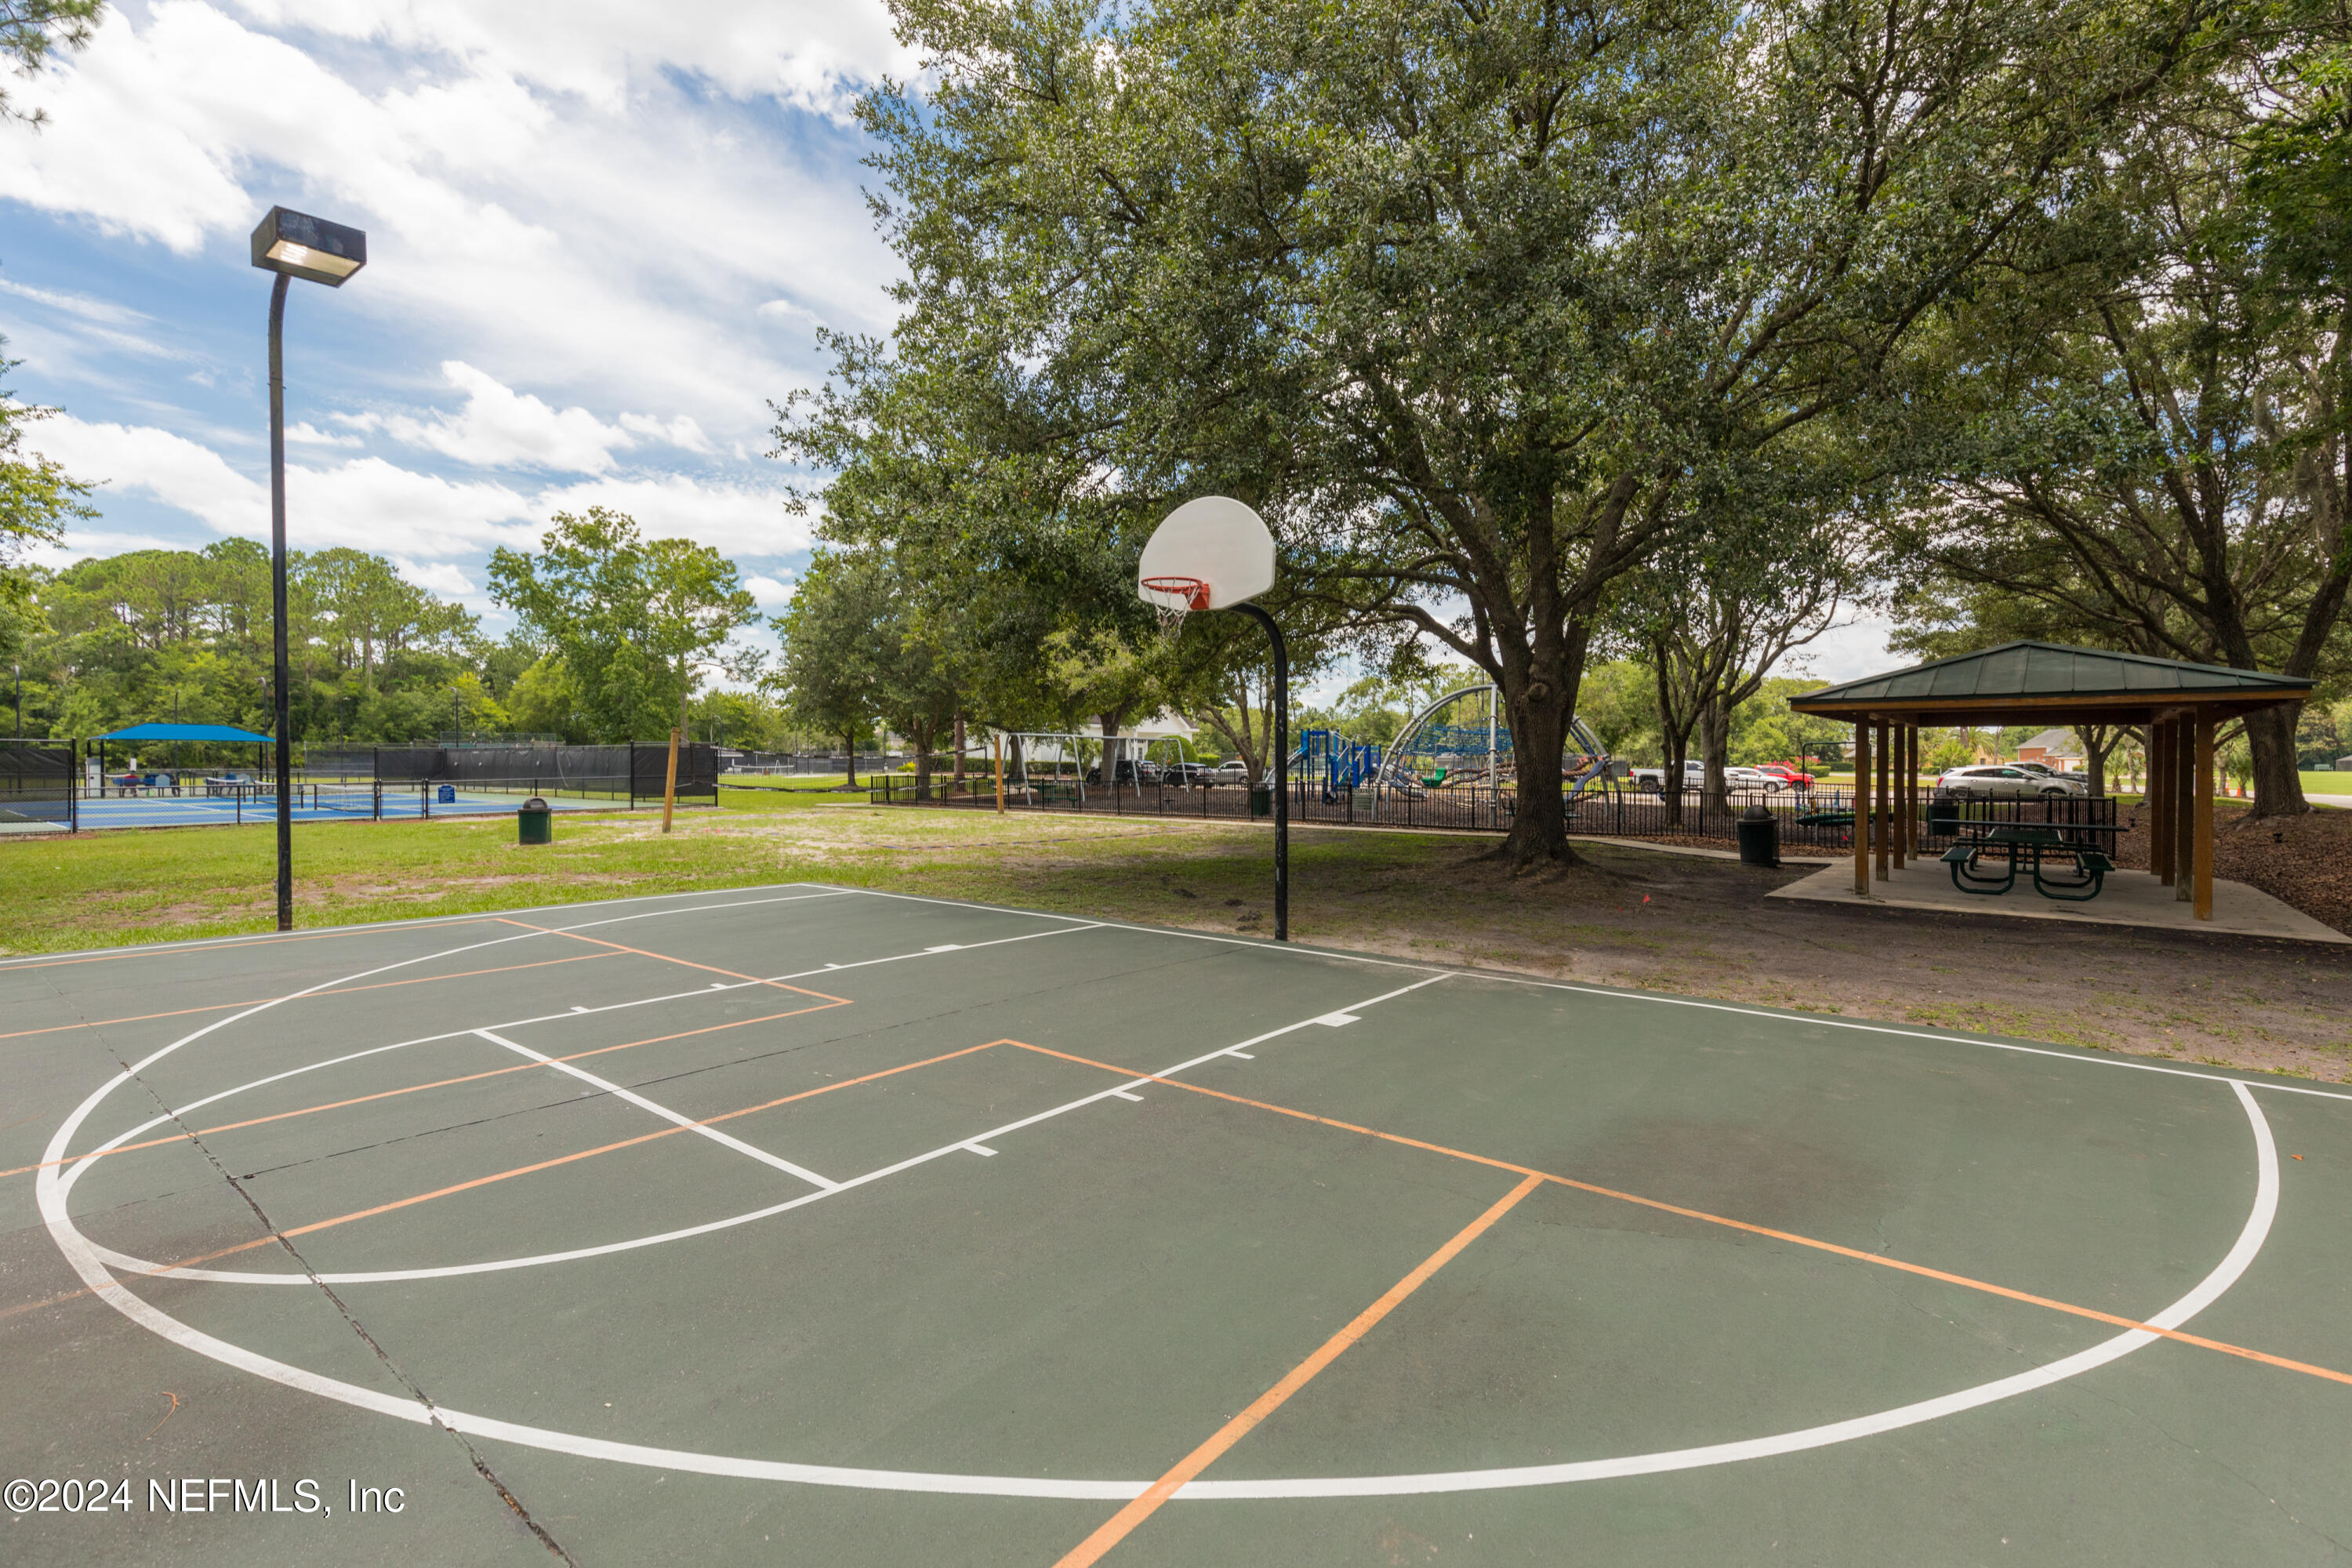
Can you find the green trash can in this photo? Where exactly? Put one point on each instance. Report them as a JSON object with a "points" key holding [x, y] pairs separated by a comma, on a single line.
{"points": [[535, 823], [1261, 799]]}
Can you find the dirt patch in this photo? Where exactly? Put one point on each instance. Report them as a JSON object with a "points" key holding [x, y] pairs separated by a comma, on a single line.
{"points": [[1702, 927]]}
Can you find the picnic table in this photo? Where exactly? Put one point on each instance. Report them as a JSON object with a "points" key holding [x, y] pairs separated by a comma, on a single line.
{"points": [[2032, 843]]}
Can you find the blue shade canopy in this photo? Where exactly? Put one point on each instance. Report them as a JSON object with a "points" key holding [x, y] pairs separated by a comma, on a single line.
{"points": [[183, 732]]}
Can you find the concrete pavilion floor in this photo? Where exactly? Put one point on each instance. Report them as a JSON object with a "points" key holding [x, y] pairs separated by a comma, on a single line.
{"points": [[2128, 898]]}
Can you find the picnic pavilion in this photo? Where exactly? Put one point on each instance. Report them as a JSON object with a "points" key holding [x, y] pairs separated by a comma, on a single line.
{"points": [[2179, 707]]}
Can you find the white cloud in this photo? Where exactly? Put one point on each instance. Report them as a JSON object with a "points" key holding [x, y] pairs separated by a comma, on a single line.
{"points": [[308, 434], [441, 577], [771, 593], [734, 519], [170, 469], [552, 185], [498, 426], [369, 504]]}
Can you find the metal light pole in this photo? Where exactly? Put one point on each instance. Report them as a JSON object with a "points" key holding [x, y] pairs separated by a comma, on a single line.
{"points": [[1281, 766], [291, 245]]}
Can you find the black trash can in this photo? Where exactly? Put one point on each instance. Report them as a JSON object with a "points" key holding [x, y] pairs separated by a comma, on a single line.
{"points": [[1261, 799], [1759, 837], [1943, 816], [534, 823]]}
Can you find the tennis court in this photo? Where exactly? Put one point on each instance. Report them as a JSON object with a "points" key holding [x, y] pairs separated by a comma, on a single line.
{"points": [[312, 803], [816, 1225]]}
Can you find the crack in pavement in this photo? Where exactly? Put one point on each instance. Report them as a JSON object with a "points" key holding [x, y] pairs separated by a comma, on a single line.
{"points": [[473, 1455]]}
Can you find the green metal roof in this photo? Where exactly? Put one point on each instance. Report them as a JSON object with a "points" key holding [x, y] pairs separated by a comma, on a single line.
{"points": [[2021, 669]]}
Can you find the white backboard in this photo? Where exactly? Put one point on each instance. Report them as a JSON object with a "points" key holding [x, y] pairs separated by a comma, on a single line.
{"points": [[1217, 540]]}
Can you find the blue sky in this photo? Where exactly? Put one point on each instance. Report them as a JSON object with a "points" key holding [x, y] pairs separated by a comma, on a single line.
{"points": [[600, 240], [600, 237]]}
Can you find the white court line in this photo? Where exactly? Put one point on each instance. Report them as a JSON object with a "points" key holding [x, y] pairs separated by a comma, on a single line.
{"points": [[213, 1098], [1651, 996], [85, 1259], [977, 1143], [420, 922], [665, 1112]]}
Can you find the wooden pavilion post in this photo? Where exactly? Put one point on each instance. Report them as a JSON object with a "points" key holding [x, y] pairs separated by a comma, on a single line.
{"points": [[1882, 796], [2157, 803], [2184, 807], [2202, 825], [1905, 771], [1862, 805]]}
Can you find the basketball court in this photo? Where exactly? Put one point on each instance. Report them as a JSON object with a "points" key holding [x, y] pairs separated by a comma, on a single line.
{"points": [[817, 1225]]}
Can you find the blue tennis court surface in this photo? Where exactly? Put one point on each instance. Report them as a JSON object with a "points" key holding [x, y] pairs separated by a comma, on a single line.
{"points": [[356, 805]]}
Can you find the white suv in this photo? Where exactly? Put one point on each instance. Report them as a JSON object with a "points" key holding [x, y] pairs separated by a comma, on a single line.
{"points": [[2001, 782]]}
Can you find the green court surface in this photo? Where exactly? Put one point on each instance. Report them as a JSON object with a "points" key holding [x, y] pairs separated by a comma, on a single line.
{"points": [[814, 1225]]}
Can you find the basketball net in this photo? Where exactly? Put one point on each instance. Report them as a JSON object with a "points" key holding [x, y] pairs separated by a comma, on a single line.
{"points": [[1173, 598]]}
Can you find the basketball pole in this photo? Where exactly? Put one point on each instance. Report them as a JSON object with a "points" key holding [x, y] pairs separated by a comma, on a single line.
{"points": [[1281, 766], [281, 698]]}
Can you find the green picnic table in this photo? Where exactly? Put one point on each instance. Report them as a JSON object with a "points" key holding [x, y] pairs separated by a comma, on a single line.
{"points": [[2032, 844]]}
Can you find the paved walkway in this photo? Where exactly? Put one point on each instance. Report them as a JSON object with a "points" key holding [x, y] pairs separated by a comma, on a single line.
{"points": [[2130, 899]]}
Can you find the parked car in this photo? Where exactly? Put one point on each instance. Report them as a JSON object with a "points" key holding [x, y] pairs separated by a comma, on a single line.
{"points": [[2006, 781], [1132, 771], [1230, 773], [1739, 780], [1790, 777], [1183, 773]]}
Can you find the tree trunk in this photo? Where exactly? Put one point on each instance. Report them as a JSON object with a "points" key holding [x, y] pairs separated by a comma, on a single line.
{"points": [[1112, 750], [958, 749], [2097, 741], [2278, 786], [1539, 696], [850, 738], [921, 733], [1714, 741]]}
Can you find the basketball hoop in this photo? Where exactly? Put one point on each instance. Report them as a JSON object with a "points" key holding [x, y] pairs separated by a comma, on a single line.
{"points": [[1173, 598]]}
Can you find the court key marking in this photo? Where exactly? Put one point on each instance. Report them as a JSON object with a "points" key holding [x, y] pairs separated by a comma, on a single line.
{"points": [[81, 1253]]}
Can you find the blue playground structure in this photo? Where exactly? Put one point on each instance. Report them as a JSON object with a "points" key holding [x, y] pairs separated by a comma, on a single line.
{"points": [[1331, 759], [1458, 753]]}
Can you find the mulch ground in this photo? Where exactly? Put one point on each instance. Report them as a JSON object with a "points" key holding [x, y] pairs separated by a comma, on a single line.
{"points": [[2305, 860]]}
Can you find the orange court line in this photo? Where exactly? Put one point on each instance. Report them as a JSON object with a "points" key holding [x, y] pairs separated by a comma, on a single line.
{"points": [[1883, 1261], [420, 1088], [666, 958], [1116, 1528], [227, 941], [567, 1159], [301, 996]]}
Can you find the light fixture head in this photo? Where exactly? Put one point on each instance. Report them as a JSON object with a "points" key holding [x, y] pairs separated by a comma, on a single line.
{"points": [[301, 246]]}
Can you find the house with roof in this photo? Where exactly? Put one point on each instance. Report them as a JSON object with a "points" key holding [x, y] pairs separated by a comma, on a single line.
{"points": [[2052, 748]]}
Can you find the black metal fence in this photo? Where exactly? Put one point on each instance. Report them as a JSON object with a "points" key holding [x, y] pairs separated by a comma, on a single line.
{"points": [[1818, 819], [629, 772], [37, 783]]}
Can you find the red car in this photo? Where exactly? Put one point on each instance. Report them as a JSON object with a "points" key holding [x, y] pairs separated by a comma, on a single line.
{"points": [[1788, 775]]}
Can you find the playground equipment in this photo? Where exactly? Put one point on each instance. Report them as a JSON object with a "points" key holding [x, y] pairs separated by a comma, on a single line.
{"points": [[1458, 752], [1329, 758], [1051, 766]]}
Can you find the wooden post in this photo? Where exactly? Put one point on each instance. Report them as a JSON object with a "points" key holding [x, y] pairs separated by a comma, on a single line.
{"points": [[669, 783], [2160, 798], [1901, 791], [2202, 825], [1862, 805], [2184, 807], [1881, 776], [997, 747]]}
